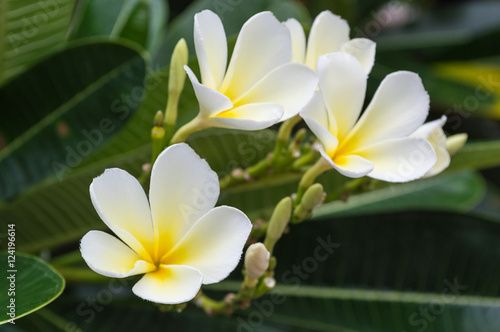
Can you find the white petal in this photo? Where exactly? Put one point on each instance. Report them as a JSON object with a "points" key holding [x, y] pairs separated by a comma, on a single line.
{"points": [[318, 120], [171, 284], [352, 166], [211, 101], [121, 203], [328, 33], [211, 48], [250, 116], [214, 245], [362, 49], [400, 160], [433, 133], [290, 85], [262, 45], [183, 188], [397, 109], [425, 130], [342, 83], [107, 255], [298, 40]]}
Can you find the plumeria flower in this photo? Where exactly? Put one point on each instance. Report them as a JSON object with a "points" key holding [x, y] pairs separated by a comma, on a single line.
{"points": [[434, 134], [329, 33], [178, 240], [260, 86], [376, 144]]}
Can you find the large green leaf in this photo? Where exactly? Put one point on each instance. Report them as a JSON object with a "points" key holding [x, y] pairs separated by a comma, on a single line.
{"points": [[140, 21], [28, 285], [232, 13], [65, 108], [456, 192], [29, 31]]}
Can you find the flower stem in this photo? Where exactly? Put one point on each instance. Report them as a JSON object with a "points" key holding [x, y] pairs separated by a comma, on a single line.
{"points": [[189, 128], [284, 135], [309, 176], [251, 172]]}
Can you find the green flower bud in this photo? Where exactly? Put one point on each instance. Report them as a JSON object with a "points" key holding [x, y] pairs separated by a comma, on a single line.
{"points": [[177, 62], [313, 197], [279, 220], [158, 122], [256, 260], [455, 142], [176, 80]]}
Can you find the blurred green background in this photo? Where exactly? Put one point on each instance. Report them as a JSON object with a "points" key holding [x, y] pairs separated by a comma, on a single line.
{"points": [[80, 82]]}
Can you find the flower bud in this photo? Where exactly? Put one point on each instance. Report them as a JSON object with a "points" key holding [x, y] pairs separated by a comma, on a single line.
{"points": [[256, 260], [279, 220], [176, 80], [177, 72], [455, 142], [313, 197], [158, 121]]}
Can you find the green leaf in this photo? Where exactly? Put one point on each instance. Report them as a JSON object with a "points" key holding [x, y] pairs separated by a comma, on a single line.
{"points": [[232, 13], [452, 192], [136, 27], [30, 30], [35, 284], [476, 155], [65, 108], [140, 21]]}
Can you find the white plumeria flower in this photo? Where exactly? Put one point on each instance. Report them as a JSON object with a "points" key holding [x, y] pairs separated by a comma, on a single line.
{"points": [[178, 239], [434, 134], [329, 33], [260, 86], [376, 144]]}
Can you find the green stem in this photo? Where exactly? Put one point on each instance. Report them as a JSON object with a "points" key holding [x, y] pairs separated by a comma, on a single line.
{"points": [[171, 117], [144, 177], [284, 135], [189, 128], [309, 176], [253, 171]]}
